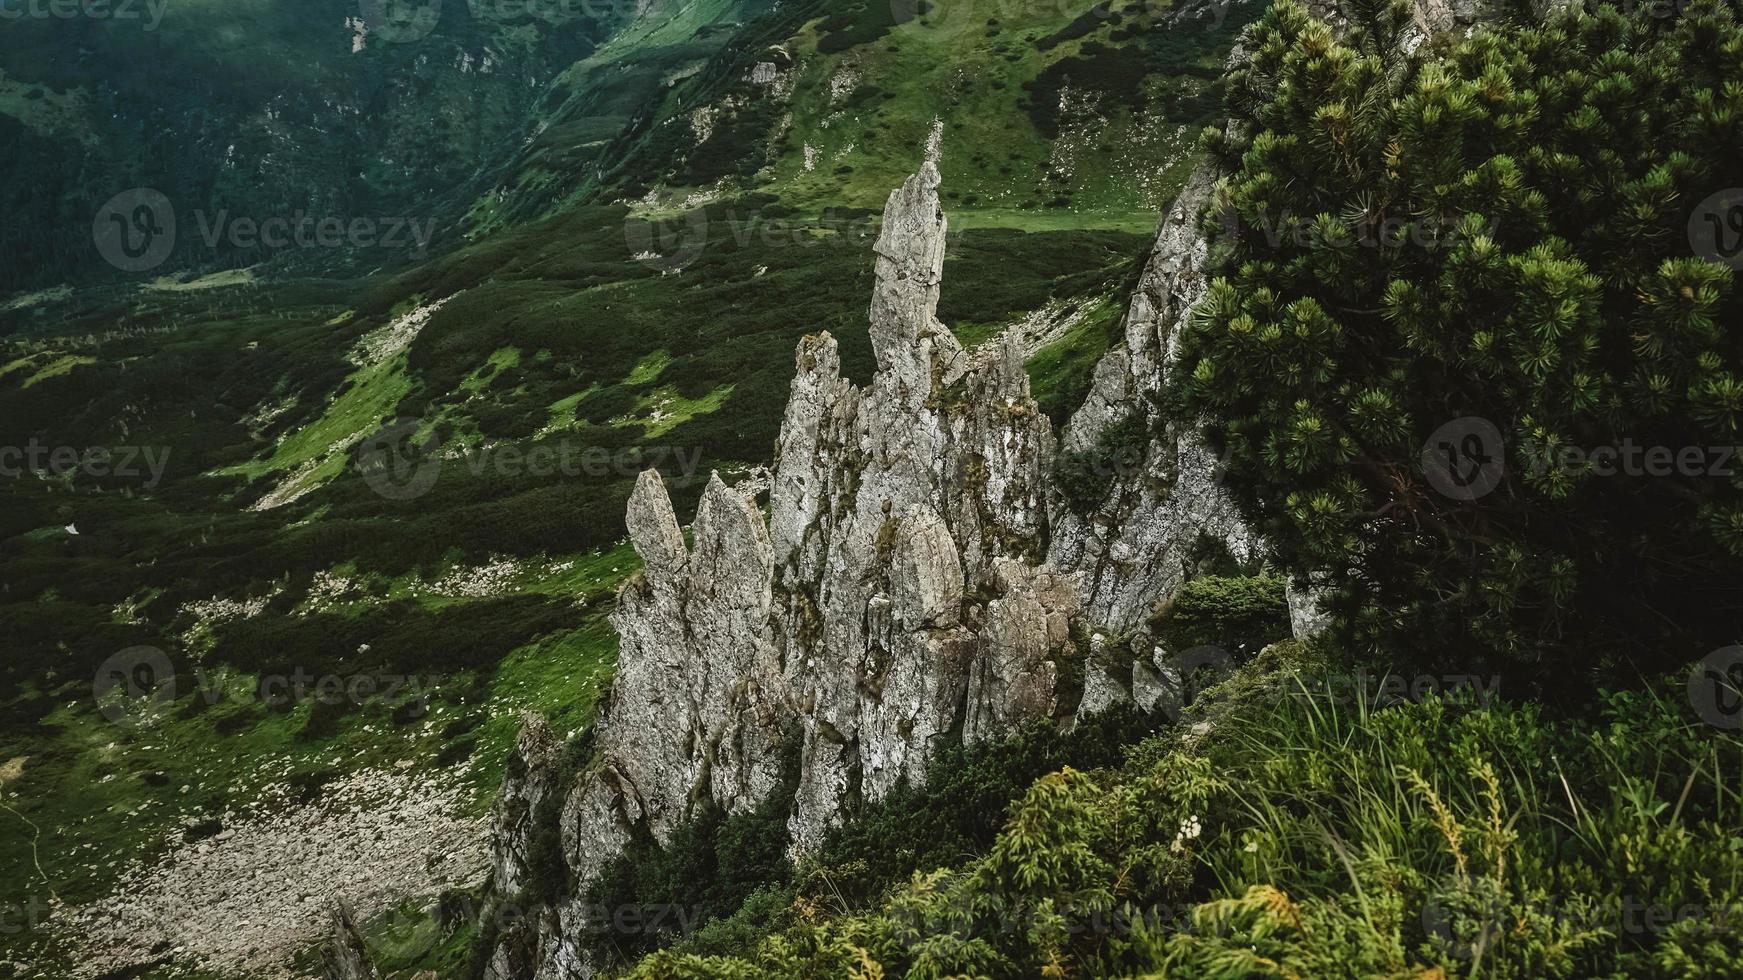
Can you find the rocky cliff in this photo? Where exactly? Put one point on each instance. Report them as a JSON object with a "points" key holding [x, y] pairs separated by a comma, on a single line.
{"points": [[918, 577], [345, 955], [915, 581], [1136, 547]]}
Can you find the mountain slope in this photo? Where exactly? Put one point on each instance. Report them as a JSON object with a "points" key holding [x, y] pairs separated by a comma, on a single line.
{"points": [[259, 525]]}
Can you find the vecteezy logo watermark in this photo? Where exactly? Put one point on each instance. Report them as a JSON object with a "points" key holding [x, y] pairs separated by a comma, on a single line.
{"points": [[398, 467], [1716, 688], [399, 21], [395, 465], [136, 231], [135, 687], [98, 462], [1463, 922], [1628, 458], [405, 933], [1716, 227], [1365, 231], [1465, 459], [149, 11]]}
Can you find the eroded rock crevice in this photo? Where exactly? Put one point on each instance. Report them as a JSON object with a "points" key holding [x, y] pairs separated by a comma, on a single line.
{"points": [[917, 579]]}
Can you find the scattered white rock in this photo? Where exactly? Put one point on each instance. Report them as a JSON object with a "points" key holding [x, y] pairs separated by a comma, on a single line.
{"points": [[245, 900]]}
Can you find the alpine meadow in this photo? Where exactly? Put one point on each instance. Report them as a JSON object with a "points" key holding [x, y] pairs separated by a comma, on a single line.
{"points": [[871, 489]]}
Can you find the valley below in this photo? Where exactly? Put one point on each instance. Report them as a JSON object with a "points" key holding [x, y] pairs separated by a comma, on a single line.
{"points": [[733, 488]]}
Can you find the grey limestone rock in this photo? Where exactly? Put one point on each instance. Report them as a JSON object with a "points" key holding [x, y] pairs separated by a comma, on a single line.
{"points": [[890, 504], [1134, 550], [531, 778], [345, 957]]}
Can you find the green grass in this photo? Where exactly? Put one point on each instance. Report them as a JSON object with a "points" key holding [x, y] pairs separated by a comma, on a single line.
{"points": [[648, 368], [369, 400], [971, 66], [216, 280], [57, 368], [1296, 834], [18, 364], [1126, 217], [40, 297], [1059, 374], [562, 410], [668, 26], [664, 409], [560, 677]]}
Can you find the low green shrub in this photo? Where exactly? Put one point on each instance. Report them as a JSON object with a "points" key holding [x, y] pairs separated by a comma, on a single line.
{"points": [[1314, 837], [711, 865], [1239, 614], [960, 808]]}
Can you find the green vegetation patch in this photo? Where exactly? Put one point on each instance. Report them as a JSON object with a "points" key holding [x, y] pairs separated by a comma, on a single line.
{"points": [[1327, 836]]}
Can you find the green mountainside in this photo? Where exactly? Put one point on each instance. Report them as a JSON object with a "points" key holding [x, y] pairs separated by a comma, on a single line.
{"points": [[631, 224], [335, 334]]}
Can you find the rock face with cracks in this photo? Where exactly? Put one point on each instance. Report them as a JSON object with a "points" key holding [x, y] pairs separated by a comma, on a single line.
{"points": [[531, 779], [1138, 545], [346, 956], [916, 581]]}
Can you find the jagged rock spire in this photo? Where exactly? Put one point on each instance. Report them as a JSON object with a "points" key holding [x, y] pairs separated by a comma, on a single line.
{"points": [[695, 638], [345, 956], [532, 775], [847, 629], [653, 527], [906, 336]]}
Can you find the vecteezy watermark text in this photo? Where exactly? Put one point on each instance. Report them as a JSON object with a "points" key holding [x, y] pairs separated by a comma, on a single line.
{"points": [[137, 230], [398, 467], [1468, 924], [1366, 231], [97, 462], [134, 688], [1629, 458], [150, 12], [1385, 690], [1466, 459], [30, 916], [672, 242]]}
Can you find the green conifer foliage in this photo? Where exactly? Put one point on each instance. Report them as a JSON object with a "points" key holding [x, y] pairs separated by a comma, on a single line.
{"points": [[1534, 226]]}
